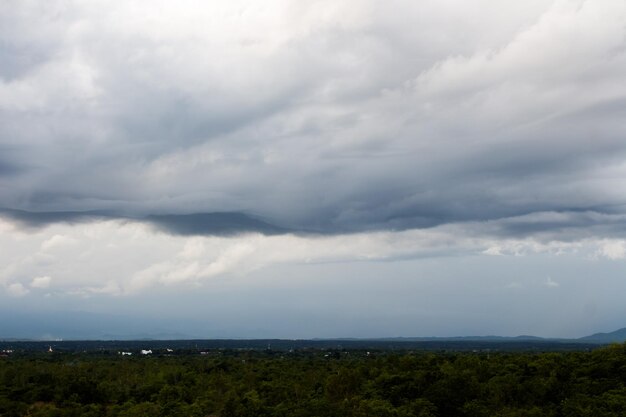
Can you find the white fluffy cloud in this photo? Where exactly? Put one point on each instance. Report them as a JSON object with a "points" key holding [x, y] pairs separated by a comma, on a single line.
{"points": [[613, 249], [117, 258], [41, 282], [56, 241], [17, 290]]}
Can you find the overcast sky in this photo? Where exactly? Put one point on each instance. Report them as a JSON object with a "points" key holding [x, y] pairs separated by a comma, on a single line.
{"points": [[315, 168]]}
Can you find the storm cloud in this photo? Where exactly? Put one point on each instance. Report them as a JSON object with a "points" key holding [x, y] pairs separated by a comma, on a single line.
{"points": [[326, 117], [313, 169]]}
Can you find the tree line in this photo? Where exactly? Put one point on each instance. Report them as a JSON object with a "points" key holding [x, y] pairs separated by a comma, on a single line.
{"points": [[317, 384]]}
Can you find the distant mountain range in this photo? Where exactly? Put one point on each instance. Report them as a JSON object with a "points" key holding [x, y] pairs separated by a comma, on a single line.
{"points": [[80, 325], [618, 336]]}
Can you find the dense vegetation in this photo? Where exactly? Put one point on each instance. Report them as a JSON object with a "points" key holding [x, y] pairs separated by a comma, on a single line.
{"points": [[316, 384]]}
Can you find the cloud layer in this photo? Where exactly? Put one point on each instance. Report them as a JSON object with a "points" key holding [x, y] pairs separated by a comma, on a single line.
{"points": [[452, 279], [320, 117], [333, 168], [125, 257]]}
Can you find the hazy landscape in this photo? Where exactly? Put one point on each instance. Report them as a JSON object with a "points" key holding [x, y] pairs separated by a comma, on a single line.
{"points": [[313, 208]]}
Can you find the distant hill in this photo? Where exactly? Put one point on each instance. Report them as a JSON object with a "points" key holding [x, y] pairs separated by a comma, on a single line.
{"points": [[618, 336], [51, 325], [491, 338]]}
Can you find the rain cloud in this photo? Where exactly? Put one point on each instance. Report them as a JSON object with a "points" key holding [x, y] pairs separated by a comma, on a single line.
{"points": [[325, 118]]}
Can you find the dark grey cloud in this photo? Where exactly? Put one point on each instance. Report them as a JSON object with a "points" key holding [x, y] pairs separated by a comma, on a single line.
{"points": [[198, 224], [212, 224], [565, 226], [8, 169], [348, 120], [31, 219]]}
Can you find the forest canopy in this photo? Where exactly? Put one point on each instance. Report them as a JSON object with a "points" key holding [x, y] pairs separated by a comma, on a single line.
{"points": [[316, 383]]}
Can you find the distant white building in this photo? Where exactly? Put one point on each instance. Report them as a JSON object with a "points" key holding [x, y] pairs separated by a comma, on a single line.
{"points": [[126, 353], [146, 352]]}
